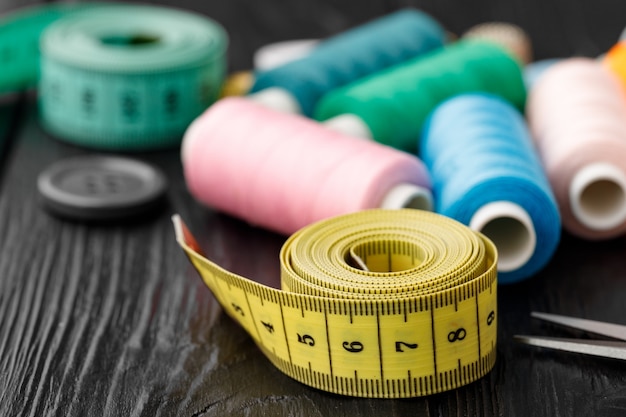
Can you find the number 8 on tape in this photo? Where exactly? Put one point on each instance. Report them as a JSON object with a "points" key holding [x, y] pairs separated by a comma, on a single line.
{"points": [[378, 303]]}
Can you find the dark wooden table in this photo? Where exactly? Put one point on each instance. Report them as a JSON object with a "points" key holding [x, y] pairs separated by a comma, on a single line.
{"points": [[111, 320]]}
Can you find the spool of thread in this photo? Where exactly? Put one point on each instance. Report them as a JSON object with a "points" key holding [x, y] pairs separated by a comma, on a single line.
{"points": [[487, 175], [237, 84], [535, 69], [615, 60], [276, 54], [298, 85], [391, 106], [282, 171], [508, 35], [577, 115]]}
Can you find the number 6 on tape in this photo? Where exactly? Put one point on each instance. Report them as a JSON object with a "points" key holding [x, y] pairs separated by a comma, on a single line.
{"points": [[418, 319]]}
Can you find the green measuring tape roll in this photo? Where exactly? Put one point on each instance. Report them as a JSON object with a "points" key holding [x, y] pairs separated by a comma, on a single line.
{"points": [[19, 42], [129, 77], [378, 303]]}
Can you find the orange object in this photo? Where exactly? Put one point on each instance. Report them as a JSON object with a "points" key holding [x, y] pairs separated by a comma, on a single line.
{"points": [[237, 84], [615, 60]]}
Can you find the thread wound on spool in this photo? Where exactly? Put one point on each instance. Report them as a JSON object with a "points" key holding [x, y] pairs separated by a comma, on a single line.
{"points": [[129, 77], [237, 84], [576, 112], [395, 103], [354, 54], [276, 54], [534, 70], [509, 35], [615, 60], [487, 174], [283, 171]]}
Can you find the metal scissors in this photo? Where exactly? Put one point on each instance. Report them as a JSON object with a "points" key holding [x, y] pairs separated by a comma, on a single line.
{"points": [[604, 348]]}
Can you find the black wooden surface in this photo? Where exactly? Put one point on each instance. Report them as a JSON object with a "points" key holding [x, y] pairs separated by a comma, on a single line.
{"points": [[113, 321]]}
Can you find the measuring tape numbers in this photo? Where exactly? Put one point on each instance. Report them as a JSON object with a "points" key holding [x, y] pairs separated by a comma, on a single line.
{"points": [[377, 303], [117, 77]]}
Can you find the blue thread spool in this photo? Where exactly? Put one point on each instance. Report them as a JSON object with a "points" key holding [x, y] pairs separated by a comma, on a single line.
{"points": [[486, 174], [348, 56]]}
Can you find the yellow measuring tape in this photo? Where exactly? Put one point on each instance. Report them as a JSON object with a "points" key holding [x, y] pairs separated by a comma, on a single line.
{"points": [[378, 303]]}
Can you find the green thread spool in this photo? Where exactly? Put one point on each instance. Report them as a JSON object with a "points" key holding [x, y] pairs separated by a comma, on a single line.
{"points": [[391, 106], [129, 77]]}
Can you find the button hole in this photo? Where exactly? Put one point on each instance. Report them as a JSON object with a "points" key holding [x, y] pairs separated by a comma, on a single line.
{"points": [[91, 185], [112, 183]]}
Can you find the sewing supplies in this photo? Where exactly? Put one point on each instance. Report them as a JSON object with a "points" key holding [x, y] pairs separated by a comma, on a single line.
{"points": [[534, 70], [509, 35], [604, 348], [237, 84], [265, 58], [377, 303], [113, 76], [129, 77], [19, 42], [277, 54], [392, 105], [576, 113], [350, 55], [283, 171], [487, 175], [615, 60], [98, 187]]}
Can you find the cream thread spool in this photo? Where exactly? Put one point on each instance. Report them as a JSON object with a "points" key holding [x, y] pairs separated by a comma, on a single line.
{"points": [[576, 112]]}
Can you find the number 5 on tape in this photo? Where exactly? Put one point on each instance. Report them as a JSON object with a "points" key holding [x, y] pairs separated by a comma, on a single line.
{"points": [[419, 319]]}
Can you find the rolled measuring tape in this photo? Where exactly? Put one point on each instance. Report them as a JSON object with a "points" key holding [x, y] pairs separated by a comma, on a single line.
{"points": [[378, 303], [128, 77], [19, 42]]}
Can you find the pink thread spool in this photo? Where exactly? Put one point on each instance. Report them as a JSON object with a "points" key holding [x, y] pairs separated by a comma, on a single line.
{"points": [[577, 114], [282, 171]]}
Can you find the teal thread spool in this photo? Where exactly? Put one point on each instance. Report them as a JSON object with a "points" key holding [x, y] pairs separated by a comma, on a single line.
{"points": [[349, 56], [129, 77], [392, 105]]}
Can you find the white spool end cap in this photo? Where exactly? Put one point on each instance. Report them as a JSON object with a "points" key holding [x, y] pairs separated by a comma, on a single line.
{"points": [[192, 133], [511, 230], [407, 195], [349, 124], [278, 99], [598, 196], [276, 54]]}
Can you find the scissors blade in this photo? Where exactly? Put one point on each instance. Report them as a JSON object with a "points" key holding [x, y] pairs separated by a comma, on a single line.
{"points": [[615, 331], [603, 348]]}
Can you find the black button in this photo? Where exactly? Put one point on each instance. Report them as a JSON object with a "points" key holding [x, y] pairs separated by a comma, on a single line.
{"points": [[101, 187]]}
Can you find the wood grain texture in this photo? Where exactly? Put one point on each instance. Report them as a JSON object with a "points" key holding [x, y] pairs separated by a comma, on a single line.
{"points": [[111, 320]]}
